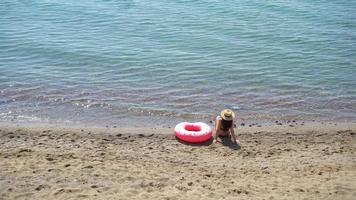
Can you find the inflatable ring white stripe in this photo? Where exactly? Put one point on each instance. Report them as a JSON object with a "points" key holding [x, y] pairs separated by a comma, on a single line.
{"points": [[204, 129]]}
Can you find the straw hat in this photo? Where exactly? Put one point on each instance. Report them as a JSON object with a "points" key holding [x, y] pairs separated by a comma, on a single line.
{"points": [[227, 114]]}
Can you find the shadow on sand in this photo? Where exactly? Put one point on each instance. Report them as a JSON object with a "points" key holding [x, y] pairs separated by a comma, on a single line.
{"points": [[225, 141]]}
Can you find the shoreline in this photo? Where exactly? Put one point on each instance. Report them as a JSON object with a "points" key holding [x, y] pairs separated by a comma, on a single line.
{"points": [[274, 162], [148, 121], [244, 125]]}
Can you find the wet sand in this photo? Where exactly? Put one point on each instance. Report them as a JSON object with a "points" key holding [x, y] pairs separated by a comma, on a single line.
{"points": [[273, 162]]}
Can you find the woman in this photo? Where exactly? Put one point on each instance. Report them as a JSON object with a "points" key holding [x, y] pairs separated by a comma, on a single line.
{"points": [[224, 126]]}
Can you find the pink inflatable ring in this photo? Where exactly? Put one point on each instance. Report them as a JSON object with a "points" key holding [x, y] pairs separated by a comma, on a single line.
{"points": [[193, 132]]}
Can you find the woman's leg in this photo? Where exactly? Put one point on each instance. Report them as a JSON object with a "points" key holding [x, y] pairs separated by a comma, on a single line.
{"points": [[217, 127]]}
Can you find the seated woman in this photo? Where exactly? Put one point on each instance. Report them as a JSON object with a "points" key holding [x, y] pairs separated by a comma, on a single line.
{"points": [[224, 126]]}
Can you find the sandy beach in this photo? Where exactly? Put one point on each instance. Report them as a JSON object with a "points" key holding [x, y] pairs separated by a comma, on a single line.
{"points": [[273, 162]]}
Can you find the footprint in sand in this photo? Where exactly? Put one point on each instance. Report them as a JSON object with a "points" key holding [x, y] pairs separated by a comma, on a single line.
{"points": [[41, 187]]}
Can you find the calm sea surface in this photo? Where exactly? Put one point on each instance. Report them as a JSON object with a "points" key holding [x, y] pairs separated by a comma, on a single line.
{"points": [[152, 63]]}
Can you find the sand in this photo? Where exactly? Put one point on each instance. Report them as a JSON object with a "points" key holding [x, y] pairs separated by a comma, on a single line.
{"points": [[273, 162]]}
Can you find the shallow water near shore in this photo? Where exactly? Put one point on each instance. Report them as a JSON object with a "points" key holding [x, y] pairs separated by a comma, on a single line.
{"points": [[143, 63]]}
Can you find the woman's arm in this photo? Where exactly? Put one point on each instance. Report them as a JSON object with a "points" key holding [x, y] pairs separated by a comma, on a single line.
{"points": [[233, 136]]}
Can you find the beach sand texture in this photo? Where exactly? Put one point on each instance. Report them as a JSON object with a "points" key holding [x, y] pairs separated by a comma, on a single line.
{"points": [[310, 162]]}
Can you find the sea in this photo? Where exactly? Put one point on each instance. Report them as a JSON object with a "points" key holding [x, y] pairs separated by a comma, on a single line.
{"points": [[144, 63]]}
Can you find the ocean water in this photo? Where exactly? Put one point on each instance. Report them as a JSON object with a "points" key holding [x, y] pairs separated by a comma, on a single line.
{"points": [[153, 63]]}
